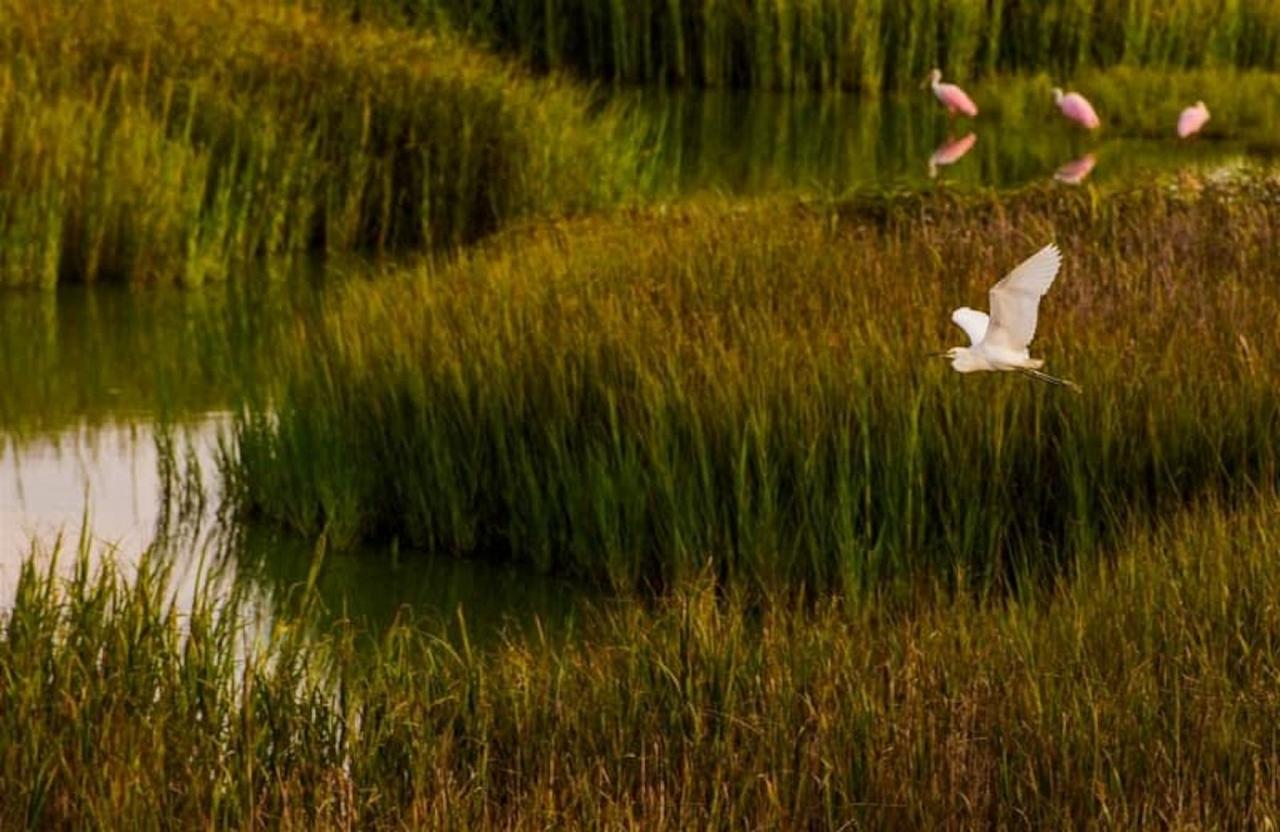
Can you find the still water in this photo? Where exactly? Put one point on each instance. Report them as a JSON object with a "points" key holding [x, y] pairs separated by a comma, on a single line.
{"points": [[87, 375], [751, 143]]}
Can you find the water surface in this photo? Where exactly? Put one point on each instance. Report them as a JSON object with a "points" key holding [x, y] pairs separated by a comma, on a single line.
{"points": [[753, 143]]}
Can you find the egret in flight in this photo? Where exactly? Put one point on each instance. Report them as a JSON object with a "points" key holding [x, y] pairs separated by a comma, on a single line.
{"points": [[1000, 341]]}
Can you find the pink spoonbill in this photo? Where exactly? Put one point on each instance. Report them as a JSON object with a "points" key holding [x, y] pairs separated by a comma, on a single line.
{"points": [[950, 152], [1075, 171], [951, 96], [1077, 108], [1192, 119]]}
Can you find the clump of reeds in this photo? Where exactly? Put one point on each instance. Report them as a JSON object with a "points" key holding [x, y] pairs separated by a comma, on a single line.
{"points": [[179, 140], [1139, 692], [625, 398], [837, 44]]}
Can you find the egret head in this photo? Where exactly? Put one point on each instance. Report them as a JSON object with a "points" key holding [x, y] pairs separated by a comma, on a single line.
{"points": [[949, 354], [1057, 95], [962, 359]]}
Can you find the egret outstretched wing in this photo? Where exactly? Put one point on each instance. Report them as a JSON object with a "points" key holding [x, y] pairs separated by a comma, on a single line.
{"points": [[973, 322], [1015, 300]]}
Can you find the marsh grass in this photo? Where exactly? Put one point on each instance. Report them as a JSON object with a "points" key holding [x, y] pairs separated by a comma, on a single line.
{"points": [[1135, 102], [179, 140], [867, 45], [624, 398], [1137, 693]]}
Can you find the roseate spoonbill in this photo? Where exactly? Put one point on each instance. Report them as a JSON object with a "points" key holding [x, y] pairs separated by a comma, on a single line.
{"points": [[1077, 108], [1192, 119], [950, 152], [951, 96], [999, 342], [1075, 171]]}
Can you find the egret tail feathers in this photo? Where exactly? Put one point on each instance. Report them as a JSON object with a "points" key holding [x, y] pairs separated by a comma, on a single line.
{"points": [[1054, 380]]}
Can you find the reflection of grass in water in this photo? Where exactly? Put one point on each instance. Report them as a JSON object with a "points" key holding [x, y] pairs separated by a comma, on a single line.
{"points": [[624, 399], [110, 353], [749, 142], [802, 44], [1117, 694], [179, 140], [377, 587]]}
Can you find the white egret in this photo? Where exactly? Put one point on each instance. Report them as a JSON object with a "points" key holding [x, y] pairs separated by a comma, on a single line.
{"points": [[1000, 341]]}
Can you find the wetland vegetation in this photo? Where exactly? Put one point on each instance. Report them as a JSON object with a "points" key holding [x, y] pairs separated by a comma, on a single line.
{"points": [[572, 453], [1138, 693], [866, 45], [627, 397]]}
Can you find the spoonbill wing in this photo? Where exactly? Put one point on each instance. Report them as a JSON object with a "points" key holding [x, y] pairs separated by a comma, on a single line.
{"points": [[1191, 120], [973, 322], [950, 152], [1015, 300], [1077, 108], [957, 99]]}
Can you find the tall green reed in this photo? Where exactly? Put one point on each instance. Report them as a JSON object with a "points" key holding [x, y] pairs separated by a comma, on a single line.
{"points": [[182, 140], [627, 398], [868, 44]]}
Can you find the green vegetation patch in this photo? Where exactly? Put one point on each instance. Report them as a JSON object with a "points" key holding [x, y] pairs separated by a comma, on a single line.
{"points": [[850, 44], [628, 398], [1135, 102], [177, 140], [1137, 690]]}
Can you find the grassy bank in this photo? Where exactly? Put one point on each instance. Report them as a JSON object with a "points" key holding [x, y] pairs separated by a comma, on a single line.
{"points": [[1132, 102], [624, 397], [865, 45], [180, 140], [1138, 694]]}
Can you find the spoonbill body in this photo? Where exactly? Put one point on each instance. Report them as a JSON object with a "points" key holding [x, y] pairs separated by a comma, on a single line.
{"points": [[951, 96], [1077, 108], [1075, 171], [1192, 119], [950, 152]]}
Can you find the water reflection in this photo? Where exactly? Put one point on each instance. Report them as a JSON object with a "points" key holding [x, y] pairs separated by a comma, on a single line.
{"points": [[376, 585], [119, 355], [950, 152], [1075, 171], [131, 487], [750, 143]]}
